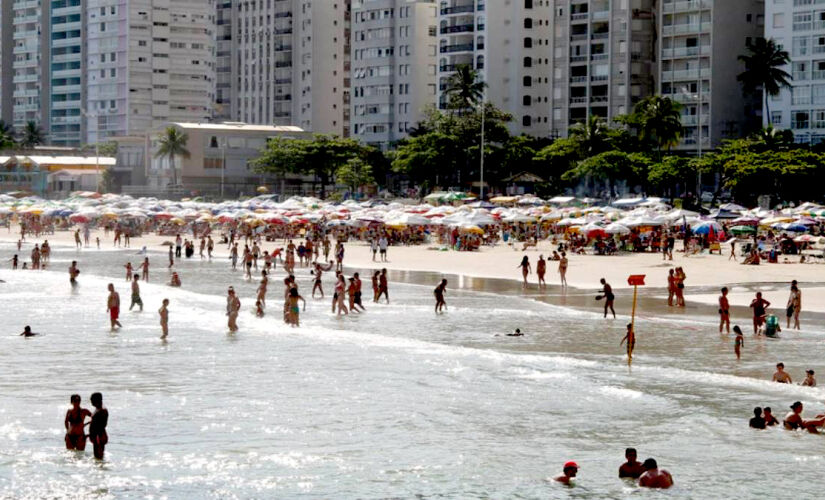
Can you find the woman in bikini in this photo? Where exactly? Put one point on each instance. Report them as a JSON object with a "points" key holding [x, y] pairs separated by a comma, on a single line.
{"points": [[75, 435], [525, 270]]}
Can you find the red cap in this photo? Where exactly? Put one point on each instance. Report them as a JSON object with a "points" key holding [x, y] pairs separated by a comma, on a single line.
{"points": [[569, 465]]}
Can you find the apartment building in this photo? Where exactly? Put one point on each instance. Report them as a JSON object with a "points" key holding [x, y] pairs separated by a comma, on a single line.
{"points": [[700, 41], [394, 66], [799, 26], [66, 70], [603, 59], [6, 55], [321, 62], [149, 62], [30, 64], [223, 61], [509, 44]]}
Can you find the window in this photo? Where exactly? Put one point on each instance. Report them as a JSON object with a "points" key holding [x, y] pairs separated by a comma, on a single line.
{"points": [[800, 120], [528, 43], [528, 23], [526, 121], [528, 62], [526, 100], [528, 81], [528, 4]]}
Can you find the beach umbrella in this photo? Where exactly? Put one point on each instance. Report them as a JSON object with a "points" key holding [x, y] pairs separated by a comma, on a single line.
{"points": [[805, 238], [742, 230], [79, 219], [593, 230], [616, 228], [706, 227], [792, 227], [470, 228], [746, 220]]}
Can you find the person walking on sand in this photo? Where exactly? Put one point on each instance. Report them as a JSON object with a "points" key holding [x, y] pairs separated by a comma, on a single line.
{"points": [[73, 272], [541, 269], [145, 268], [608, 297], [794, 306], [97, 427], [563, 268], [439, 292], [738, 342], [732, 250], [724, 310], [136, 300], [163, 312], [382, 247], [113, 307], [525, 270], [233, 306], [74, 422]]}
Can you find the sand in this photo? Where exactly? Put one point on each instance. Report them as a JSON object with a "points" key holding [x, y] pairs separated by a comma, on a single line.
{"points": [[705, 273]]}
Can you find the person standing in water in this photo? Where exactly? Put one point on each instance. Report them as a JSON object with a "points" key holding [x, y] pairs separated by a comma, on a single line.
{"points": [[568, 473], [724, 311], [607, 290], [73, 272], [383, 286], [794, 306], [113, 307], [262, 289], [563, 262], [145, 268], [541, 269], [340, 291], [525, 270], [233, 306], [294, 315], [630, 338], [738, 342], [136, 300], [163, 312], [759, 305], [97, 427], [74, 422], [439, 292]]}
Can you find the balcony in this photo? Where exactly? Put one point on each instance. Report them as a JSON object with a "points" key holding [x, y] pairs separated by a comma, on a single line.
{"points": [[458, 28], [679, 29], [598, 99], [600, 15], [599, 36], [598, 78], [685, 6], [686, 51], [598, 57], [458, 9], [578, 79], [581, 16], [462, 47], [578, 100], [685, 74], [693, 120]]}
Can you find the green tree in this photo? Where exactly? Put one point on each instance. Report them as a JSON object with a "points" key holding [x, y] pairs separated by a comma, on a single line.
{"points": [[670, 173], [354, 174], [171, 145], [432, 158], [610, 167], [658, 121], [321, 156], [6, 136], [31, 136], [774, 139], [464, 88], [763, 70], [591, 135]]}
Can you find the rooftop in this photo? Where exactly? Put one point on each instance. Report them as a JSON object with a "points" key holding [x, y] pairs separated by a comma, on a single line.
{"points": [[238, 126]]}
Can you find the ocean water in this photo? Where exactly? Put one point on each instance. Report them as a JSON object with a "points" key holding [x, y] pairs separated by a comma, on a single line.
{"points": [[395, 403]]}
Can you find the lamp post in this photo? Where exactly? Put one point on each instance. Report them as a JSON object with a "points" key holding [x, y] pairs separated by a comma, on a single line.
{"points": [[223, 163], [483, 113]]}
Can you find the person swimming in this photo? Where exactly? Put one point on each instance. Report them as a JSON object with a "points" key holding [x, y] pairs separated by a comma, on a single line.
{"points": [[27, 332], [516, 333]]}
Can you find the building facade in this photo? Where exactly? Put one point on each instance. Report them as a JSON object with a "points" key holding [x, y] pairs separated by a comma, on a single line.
{"points": [[67, 75], [6, 57], [394, 67], [223, 61], [508, 43], [799, 26], [603, 59], [30, 63], [700, 42], [149, 62]]}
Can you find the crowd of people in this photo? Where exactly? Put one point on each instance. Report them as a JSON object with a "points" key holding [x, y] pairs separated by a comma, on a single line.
{"points": [[647, 474]]}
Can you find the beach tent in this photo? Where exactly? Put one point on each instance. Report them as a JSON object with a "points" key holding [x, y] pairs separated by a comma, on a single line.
{"points": [[743, 230], [616, 228]]}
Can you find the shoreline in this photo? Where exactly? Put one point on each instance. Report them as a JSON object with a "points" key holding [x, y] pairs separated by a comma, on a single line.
{"points": [[488, 271]]}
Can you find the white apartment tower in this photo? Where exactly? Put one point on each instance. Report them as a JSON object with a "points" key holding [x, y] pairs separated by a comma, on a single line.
{"points": [[290, 63], [30, 63], [149, 62], [321, 63], [799, 26], [6, 55], [223, 61], [394, 45], [66, 70], [699, 43], [509, 43], [603, 59]]}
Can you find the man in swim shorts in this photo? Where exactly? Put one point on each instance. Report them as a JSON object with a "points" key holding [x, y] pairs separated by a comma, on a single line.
{"points": [[653, 477], [164, 318], [113, 307], [136, 300], [631, 469], [73, 272], [439, 296], [97, 427], [724, 310], [781, 375], [758, 305], [607, 290]]}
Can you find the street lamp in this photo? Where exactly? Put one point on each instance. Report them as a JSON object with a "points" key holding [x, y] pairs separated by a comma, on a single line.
{"points": [[223, 163], [483, 113], [97, 145]]}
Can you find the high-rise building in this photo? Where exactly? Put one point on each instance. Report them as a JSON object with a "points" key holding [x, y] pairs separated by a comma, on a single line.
{"points": [[66, 70], [30, 95], [261, 61], [223, 61], [6, 54], [699, 43], [508, 43], [394, 45], [321, 67], [799, 26], [149, 62], [603, 59]]}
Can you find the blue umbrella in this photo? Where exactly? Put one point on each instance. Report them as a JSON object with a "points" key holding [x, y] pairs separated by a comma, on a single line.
{"points": [[794, 227]]}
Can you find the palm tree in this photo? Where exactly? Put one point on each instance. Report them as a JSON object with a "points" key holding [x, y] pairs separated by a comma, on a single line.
{"points": [[32, 135], [659, 121], [464, 88], [590, 135], [763, 70], [774, 138], [171, 145], [6, 136]]}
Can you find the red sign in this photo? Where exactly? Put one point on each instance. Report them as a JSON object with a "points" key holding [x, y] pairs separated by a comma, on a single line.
{"points": [[636, 280]]}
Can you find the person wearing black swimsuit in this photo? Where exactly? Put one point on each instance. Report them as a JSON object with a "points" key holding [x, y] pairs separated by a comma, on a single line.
{"points": [[97, 427], [75, 437]]}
